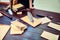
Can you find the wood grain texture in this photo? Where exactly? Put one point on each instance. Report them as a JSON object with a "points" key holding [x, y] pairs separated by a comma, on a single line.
{"points": [[17, 27], [34, 24], [49, 35], [55, 26], [3, 30]]}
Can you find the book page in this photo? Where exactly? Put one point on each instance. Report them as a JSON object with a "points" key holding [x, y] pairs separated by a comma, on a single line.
{"points": [[55, 26], [49, 36]]}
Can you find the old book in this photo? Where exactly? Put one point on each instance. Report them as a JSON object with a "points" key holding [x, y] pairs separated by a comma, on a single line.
{"points": [[3, 30], [49, 36], [34, 24], [55, 26], [17, 27]]}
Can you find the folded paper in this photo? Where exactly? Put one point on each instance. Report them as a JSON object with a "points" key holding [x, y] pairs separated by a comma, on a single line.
{"points": [[17, 27]]}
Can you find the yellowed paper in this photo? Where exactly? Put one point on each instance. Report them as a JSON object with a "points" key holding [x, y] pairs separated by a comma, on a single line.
{"points": [[19, 12], [34, 24], [17, 6], [49, 36], [3, 30], [55, 26], [17, 27], [45, 20]]}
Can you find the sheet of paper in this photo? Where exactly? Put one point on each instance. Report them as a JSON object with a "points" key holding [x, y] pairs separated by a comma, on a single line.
{"points": [[3, 30], [17, 6], [19, 12], [34, 24], [17, 27], [45, 20], [49, 35], [55, 26]]}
